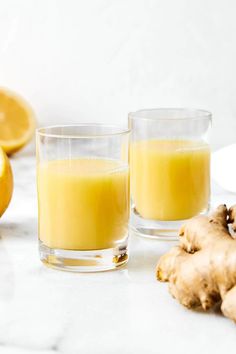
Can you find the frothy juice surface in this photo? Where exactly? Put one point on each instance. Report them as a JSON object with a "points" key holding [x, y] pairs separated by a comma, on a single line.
{"points": [[83, 204], [170, 179]]}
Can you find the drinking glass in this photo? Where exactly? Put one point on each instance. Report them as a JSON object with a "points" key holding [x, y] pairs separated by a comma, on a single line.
{"points": [[83, 196], [169, 169]]}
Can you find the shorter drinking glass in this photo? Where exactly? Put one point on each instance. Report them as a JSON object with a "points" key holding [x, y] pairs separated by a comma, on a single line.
{"points": [[169, 169], [83, 196]]}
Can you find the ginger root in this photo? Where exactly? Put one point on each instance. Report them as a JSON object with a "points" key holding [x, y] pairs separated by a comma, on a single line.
{"points": [[202, 270]]}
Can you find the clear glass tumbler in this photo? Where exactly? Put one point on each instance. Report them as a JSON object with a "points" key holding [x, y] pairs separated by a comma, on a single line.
{"points": [[83, 196], [169, 169]]}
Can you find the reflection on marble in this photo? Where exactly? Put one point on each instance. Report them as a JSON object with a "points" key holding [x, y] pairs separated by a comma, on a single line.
{"points": [[45, 311]]}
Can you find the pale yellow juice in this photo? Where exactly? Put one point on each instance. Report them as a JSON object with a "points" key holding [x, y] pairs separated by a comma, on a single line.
{"points": [[83, 204], [170, 179]]}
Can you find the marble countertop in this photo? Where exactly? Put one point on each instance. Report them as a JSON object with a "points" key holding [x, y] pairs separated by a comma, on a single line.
{"points": [[45, 311]]}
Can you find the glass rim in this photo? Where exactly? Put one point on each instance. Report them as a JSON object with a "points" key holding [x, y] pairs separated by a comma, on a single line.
{"points": [[197, 114], [119, 130]]}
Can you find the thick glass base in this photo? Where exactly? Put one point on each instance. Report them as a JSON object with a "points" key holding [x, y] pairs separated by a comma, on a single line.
{"points": [[158, 230], [84, 261]]}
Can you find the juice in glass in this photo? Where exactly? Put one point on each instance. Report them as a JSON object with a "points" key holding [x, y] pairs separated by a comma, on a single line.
{"points": [[170, 179], [83, 203]]}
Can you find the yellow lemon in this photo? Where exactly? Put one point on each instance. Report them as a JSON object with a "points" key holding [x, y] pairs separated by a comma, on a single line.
{"points": [[6, 182], [17, 121]]}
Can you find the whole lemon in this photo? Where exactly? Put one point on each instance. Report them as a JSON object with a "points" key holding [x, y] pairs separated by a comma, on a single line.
{"points": [[6, 181]]}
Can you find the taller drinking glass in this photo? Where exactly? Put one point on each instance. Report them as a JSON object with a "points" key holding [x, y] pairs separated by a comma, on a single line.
{"points": [[169, 169], [83, 196]]}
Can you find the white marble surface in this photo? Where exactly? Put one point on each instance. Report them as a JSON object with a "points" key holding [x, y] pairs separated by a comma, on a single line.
{"points": [[45, 311]]}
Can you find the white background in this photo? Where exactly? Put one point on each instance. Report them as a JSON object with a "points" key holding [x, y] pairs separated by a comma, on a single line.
{"points": [[96, 60]]}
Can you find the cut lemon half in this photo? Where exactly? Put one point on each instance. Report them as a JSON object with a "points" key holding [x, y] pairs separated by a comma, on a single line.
{"points": [[6, 181], [17, 121]]}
